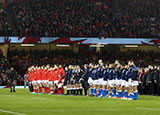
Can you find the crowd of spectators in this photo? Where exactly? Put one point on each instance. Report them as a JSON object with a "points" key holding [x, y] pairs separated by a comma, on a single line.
{"points": [[136, 18], [82, 18], [21, 60], [5, 28]]}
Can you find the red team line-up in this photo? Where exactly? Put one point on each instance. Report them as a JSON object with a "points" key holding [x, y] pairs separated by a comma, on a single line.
{"points": [[50, 79]]}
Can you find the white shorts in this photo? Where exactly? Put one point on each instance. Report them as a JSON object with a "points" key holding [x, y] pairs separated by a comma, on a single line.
{"points": [[60, 85], [50, 82], [90, 81], [63, 81], [111, 83], [39, 81], [134, 83], [126, 84], [130, 82], [96, 82], [104, 82], [45, 81], [118, 82], [34, 82], [100, 81], [123, 82], [56, 82]]}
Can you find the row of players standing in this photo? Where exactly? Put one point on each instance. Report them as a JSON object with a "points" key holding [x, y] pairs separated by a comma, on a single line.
{"points": [[113, 80], [46, 79]]}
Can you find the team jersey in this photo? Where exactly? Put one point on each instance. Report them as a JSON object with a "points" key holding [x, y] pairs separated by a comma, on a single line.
{"points": [[129, 72], [62, 73], [99, 72], [30, 76], [56, 73], [126, 75], [134, 73], [79, 74], [34, 75], [38, 75], [94, 74], [123, 73], [69, 74], [105, 74], [45, 75], [51, 75], [119, 74], [111, 74], [90, 72]]}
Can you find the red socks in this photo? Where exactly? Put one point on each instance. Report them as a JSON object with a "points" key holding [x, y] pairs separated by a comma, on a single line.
{"points": [[52, 91], [41, 89], [35, 90], [45, 89], [48, 90]]}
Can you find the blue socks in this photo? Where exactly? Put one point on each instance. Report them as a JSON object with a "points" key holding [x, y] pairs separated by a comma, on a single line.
{"points": [[105, 93], [126, 94], [114, 91], [92, 91], [136, 95]]}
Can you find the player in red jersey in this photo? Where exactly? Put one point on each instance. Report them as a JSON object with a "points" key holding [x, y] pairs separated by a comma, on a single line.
{"points": [[56, 77], [40, 80], [34, 76], [45, 80], [30, 80], [61, 75], [51, 81]]}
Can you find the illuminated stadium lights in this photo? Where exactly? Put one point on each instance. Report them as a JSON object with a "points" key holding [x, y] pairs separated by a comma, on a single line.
{"points": [[27, 45], [98, 45], [131, 46], [63, 45]]}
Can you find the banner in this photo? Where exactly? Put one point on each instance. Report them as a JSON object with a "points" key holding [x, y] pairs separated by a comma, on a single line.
{"points": [[72, 40]]}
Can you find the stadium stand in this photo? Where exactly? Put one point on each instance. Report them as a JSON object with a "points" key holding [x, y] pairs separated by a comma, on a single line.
{"points": [[84, 18]]}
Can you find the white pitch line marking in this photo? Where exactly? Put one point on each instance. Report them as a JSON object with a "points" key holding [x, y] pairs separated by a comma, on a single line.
{"points": [[151, 109], [77, 110], [9, 95], [40, 98], [12, 112]]}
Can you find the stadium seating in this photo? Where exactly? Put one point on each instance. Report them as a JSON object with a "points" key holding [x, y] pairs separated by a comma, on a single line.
{"points": [[84, 18]]}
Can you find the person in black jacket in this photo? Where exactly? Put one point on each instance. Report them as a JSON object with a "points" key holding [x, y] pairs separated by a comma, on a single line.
{"points": [[143, 81], [158, 81], [155, 80], [149, 80], [12, 76], [85, 80]]}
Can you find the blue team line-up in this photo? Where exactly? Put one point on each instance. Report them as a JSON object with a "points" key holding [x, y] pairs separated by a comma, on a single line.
{"points": [[114, 80]]}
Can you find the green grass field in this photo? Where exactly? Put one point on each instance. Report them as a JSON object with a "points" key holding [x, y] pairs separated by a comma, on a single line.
{"points": [[24, 103]]}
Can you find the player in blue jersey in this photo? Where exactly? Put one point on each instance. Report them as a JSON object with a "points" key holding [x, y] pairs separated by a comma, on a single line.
{"points": [[134, 81], [111, 80], [124, 81], [130, 93], [105, 81], [118, 79], [100, 78], [90, 78], [95, 80]]}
